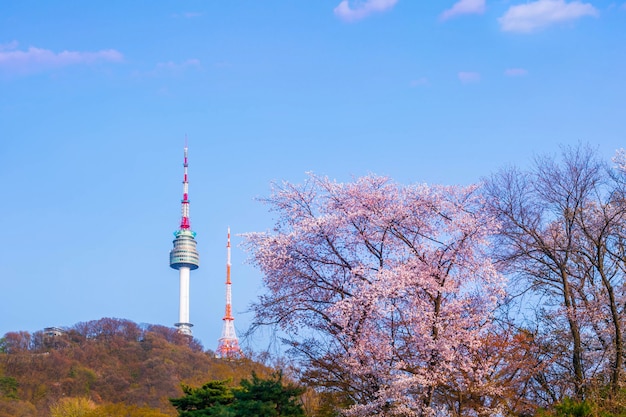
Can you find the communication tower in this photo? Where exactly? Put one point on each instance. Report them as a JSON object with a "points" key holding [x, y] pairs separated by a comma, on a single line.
{"points": [[228, 344], [184, 256]]}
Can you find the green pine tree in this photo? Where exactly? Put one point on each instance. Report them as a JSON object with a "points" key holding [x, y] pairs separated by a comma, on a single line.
{"points": [[268, 398], [253, 398], [213, 399]]}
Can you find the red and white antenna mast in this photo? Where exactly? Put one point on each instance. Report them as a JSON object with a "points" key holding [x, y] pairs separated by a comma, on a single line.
{"points": [[184, 221], [228, 344]]}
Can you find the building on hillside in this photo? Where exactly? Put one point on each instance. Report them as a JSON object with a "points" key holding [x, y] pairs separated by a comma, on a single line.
{"points": [[53, 331]]}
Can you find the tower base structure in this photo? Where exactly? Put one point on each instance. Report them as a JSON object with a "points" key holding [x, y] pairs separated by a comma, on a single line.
{"points": [[184, 328], [228, 349]]}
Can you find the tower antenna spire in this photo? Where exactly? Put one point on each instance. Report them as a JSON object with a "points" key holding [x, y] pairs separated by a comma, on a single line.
{"points": [[184, 256], [184, 221], [228, 344]]}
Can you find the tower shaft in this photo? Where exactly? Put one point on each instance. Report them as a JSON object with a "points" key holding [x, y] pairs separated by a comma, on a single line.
{"points": [[183, 311]]}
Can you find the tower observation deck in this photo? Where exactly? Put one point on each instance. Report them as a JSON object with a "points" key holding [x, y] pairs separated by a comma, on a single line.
{"points": [[184, 256]]}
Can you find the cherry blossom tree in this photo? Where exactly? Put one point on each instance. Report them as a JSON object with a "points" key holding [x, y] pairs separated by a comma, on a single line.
{"points": [[385, 292]]}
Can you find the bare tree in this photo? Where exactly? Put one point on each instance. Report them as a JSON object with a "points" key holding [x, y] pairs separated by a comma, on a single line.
{"points": [[561, 241]]}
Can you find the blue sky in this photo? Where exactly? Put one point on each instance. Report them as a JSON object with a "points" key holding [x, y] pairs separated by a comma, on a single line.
{"points": [[96, 99]]}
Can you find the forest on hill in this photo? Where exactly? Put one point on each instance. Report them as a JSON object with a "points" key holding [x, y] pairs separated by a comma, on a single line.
{"points": [[133, 370]]}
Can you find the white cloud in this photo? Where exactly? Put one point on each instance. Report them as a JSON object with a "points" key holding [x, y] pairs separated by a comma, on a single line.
{"points": [[515, 72], [223, 64], [529, 17], [358, 9], [37, 59], [8, 46], [464, 7], [169, 68], [173, 66], [419, 82], [187, 15], [468, 77]]}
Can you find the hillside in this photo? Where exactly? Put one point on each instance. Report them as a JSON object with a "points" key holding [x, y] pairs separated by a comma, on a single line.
{"points": [[109, 361]]}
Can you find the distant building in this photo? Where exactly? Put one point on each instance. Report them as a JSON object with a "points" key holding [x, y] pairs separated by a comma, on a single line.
{"points": [[53, 331]]}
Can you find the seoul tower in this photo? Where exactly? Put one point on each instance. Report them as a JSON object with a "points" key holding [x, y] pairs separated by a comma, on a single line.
{"points": [[184, 256], [228, 344]]}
